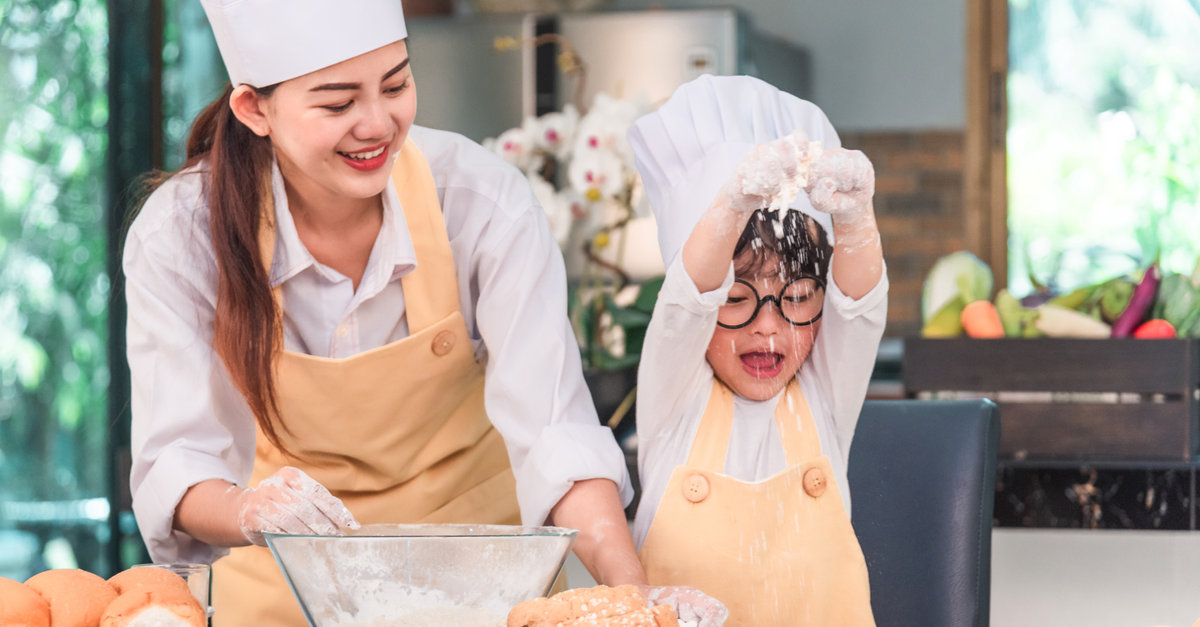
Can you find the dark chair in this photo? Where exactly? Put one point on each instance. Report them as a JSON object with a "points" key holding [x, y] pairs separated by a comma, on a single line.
{"points": [[922, 481]]}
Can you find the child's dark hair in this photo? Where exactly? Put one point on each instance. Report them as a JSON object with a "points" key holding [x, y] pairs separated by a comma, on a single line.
{"points": [[793, 246]]}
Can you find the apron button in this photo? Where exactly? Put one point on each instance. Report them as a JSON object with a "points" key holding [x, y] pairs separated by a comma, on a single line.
{"points": [[814, 482], [442, 343], [695, 488]]}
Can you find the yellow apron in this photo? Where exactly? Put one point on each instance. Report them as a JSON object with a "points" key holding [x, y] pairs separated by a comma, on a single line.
{"points": [[399, 433], [777, 553]]}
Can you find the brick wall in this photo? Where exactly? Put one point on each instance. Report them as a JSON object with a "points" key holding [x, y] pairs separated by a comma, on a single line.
{"points": [[919, 207]]}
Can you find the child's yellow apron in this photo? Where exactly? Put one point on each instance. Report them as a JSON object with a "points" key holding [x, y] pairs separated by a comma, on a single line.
{"points": [[399, 433], [778, 553]]}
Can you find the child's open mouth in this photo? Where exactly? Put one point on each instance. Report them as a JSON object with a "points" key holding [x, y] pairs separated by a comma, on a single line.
{"points": [[762, 365]]}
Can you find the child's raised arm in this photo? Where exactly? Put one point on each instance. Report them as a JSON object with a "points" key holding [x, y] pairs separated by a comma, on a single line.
{"points": [[768, 176], [842, 184]]}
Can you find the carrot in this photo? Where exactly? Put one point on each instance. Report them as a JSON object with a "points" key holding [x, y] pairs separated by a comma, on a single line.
{"points": [[980, 319]]}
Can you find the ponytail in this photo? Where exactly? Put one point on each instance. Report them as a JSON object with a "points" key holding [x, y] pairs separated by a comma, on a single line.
{"points": [[247, 332]]}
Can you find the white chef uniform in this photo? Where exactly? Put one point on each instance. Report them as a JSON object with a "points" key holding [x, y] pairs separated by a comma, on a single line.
{"points": [[686, 151], [190, 423]]}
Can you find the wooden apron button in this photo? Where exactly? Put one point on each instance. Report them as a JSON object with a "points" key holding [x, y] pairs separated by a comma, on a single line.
{"points": [[442, 343], [695, 488], [814, 482]]}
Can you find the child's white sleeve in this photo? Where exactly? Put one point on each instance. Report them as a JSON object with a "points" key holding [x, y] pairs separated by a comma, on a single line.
{"points": [[672, 365], [844, 354]]}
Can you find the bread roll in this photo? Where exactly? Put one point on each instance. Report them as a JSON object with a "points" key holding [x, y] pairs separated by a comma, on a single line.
{"points": [[599, 606], [21, 605], [147, 577], [161, 606], [77, 598]]}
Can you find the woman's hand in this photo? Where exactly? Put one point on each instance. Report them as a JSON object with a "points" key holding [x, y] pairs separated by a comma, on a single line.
{"points": [[689, 604], [290, 501], [771, 174], [841, 183]]}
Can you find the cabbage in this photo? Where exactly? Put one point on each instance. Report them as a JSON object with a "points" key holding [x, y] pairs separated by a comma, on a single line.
{"points": [[959, 274]]}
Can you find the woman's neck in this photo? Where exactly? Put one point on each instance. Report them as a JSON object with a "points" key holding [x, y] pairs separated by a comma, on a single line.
{"points": [[339, 234]]}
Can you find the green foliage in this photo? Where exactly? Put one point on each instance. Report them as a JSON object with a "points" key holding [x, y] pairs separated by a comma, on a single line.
{"points": [[1104, 148], [611, 335], [54, 288]]}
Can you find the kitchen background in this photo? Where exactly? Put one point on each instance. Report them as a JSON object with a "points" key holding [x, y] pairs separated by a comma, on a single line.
{"points": [[943, 95]]}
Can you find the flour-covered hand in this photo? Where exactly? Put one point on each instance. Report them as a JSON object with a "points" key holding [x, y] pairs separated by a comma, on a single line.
{"points": [[771, 174], [841, 183], [290, 501], [690, 604]]}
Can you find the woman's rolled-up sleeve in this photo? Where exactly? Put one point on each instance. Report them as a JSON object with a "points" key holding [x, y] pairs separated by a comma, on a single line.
{"points": [[536, 395], [188, 423]]}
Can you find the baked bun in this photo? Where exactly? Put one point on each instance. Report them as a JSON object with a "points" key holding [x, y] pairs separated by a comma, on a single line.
{"points": [[162, 606], [21, 605], [599, 606], [77, 597], [147, 577]]}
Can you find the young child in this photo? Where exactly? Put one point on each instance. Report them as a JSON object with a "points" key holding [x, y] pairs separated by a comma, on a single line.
{"points": [[758, 355]]}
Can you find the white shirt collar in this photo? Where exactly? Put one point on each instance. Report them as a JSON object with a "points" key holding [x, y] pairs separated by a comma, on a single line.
{"points": [[391, 257]]}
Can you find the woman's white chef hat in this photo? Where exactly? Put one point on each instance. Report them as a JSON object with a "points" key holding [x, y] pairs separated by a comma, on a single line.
{"points": [[264, 42], [688, 148]]}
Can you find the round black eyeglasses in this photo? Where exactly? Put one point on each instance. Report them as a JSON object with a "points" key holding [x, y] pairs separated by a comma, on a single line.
{"points": [[800, 302]]}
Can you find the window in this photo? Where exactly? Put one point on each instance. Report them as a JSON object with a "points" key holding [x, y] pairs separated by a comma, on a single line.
{"points": [[54, 287], [1094, 104]]}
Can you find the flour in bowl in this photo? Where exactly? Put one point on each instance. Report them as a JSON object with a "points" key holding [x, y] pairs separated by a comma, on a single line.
{"points": [[396, 604]]}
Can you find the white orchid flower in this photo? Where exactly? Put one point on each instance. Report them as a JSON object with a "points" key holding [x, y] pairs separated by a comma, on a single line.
{"points": [[604, 128], [554, 132], [597, 174], [516, 147]]}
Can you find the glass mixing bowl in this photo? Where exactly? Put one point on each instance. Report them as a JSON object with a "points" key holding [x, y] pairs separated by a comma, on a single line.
{"points": [[416, 575]]}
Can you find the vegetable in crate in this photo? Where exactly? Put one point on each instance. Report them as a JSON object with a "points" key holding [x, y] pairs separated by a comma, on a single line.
{"points": [[1056, 321], [1017, 319], [980, 320], [959, 274], [1114, 296], [1139, 304], [1178, 303], [953, 281], [947, 322], [1080, 299], [1156, 329]]}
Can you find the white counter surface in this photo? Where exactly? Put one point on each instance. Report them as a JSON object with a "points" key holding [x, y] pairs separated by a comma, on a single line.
{"points": [[1095, 578], [1078, 578]]}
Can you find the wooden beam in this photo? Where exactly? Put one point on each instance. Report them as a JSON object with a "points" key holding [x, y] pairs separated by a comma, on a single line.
{"points": [[985, 165]]}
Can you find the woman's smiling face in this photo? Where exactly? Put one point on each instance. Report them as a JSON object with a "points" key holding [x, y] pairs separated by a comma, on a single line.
{"points": [[336, 131], [757, 361]]}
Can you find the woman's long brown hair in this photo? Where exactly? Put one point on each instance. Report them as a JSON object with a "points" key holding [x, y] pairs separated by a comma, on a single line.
{"points": [[246, 330]]}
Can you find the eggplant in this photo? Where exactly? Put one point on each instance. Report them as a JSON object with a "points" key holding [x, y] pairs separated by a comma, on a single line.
{"points": [[1139, 304]]}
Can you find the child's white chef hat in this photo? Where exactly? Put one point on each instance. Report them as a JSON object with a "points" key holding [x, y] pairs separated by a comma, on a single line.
{"points": [[688, 148], [264, 42]]}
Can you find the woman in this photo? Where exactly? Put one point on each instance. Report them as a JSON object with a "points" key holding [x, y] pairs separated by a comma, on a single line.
{"points": [[322, 303]]}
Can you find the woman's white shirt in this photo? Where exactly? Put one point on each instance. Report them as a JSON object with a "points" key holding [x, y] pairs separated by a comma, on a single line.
{"points": [[675, 380], [189, 423]]}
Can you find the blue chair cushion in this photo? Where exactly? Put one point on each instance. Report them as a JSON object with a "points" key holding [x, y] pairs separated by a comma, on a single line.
{"points": [[922, 482]]}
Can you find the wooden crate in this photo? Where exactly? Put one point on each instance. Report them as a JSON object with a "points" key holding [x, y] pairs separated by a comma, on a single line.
{"points": [[1064, 399]]}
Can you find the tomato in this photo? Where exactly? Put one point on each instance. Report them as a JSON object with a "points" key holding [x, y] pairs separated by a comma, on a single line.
{"points": [[1156, 329]]}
